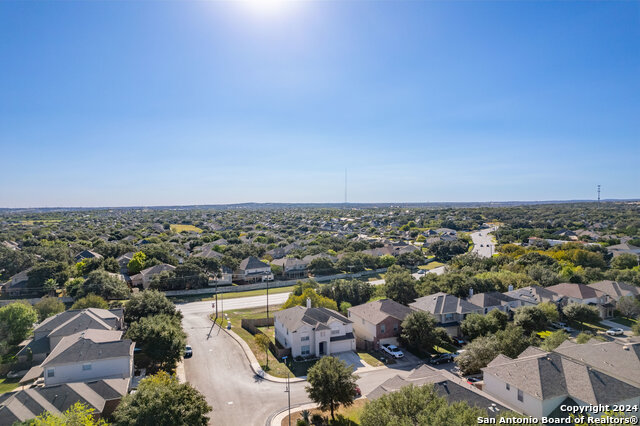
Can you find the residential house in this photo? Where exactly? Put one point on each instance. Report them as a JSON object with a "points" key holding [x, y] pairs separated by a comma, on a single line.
{"points": [[49, 332], [618, 249], [103, 396], [225, 277], [494, 300], [376, 323], [292, 268], [310, 332], [89, 355], [87, 254], [444, 387], [616, 358], [143, 279], [123, 262], [17, 284], [615, 290], [531, 295], [582, 293], [11, 245], [449, 310], [208, 251], [537, 383], [252, 270]]}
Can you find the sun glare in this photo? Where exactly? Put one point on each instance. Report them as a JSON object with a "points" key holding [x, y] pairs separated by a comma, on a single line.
{"points": [[266, 6]]}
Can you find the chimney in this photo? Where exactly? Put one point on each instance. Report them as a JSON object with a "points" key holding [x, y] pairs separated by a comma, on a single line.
{"points": [[308, 302], [470, 292], [510, 287]]}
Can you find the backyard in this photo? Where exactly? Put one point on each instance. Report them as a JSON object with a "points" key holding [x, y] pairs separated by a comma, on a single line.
{"points": [[8, 385]]}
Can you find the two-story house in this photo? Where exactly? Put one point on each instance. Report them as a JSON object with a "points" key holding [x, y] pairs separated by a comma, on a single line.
{"points": [[143, 279], [252, 270], [376, 323], [48, 334], [310, 332], [583, 294], [615, 289], [493, 300], [538, 383], [292, 268], [449, 310], [89, 355], [531, 295]]}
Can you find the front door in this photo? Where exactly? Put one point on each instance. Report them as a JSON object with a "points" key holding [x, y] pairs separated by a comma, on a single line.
{"points": [[323, 348]]}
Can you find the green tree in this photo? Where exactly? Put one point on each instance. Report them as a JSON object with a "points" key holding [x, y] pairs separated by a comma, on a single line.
{"points": [[478, 354], [628, 306], [16, 321], [263, 342], [317, 301], [161, 340], [400, 285], [105, 285], [321, 266], [136, 264], [625, 261], [581, 313], [331, 384], [554, 340], [475, 325], [147, 303], [78, 414], [90, 301], [48, 306], [550, 311], [161, 400], [530, 318], [418, 405], [386, 261], [419, 332]]}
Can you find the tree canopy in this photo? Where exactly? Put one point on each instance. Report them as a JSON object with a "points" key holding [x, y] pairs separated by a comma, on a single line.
{"points": [[331, 383]]}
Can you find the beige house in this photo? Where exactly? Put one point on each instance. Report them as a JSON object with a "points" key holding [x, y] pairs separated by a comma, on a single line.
{"points": [[448, 310], [313, 332]]}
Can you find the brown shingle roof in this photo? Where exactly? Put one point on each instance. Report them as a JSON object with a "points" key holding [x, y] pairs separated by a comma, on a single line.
{"points": [[377, 311]]}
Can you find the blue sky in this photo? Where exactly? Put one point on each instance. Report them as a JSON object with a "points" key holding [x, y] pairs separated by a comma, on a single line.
{"points": [[116, 103]]}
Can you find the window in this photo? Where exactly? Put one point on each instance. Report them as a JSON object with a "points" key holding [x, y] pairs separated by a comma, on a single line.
{"points": [[86, 367], [50, 372], [305, 350], [304, 339], [508, 387], [286, 343], [448, 317], [334, 332], [395, 327], [520, 395], [383, 328]]}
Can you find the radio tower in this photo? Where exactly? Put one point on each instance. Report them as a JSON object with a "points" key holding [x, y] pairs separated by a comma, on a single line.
{"points": [[345, 186], [598, 194]]}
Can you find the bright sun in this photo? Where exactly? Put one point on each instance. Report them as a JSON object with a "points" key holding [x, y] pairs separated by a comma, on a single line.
{"points": [[265, 6]]}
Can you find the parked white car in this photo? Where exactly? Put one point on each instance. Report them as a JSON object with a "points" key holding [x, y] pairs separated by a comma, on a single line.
{"points": [[392, 350], [615, 332]]}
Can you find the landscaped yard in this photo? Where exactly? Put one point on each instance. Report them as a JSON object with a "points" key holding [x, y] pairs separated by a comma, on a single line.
{"points": [[431, 265], [371, 358], [351, 413], [185, 228], [276, 368], [585, 326], [231, 295], [7, 385], [629, 322]]}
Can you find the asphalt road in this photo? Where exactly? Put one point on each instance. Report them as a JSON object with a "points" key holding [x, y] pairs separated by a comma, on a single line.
{"points": [[220, 370], [230, 304], [482, 243]]}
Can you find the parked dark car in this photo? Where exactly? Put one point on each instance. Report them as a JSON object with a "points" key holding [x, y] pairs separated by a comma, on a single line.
{"points": [[188, 352], [441, 359]]}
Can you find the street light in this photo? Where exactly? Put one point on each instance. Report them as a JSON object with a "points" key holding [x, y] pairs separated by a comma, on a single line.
{"points": [[288, 389]]}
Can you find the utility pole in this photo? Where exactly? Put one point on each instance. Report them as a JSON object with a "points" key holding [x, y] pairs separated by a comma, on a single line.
{"points": [[598, 194], [215, 321], [267, 302], [289, 397]]}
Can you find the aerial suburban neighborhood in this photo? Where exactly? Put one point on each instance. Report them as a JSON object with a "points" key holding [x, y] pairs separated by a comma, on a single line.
{"points": [[229, 308], [319, 212]]}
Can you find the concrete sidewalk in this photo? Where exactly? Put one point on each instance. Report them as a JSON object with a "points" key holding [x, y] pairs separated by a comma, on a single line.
{"points": [[613, 324]]}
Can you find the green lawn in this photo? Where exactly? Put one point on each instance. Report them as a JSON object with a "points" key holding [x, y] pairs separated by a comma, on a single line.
{"points": [[231, 295], [276, 368], [185, 228], [629, 322], [431, 265], [594, 327], [7, 385], [371, 358]]}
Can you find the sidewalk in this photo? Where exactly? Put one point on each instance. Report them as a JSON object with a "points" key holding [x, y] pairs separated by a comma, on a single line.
{"points": [[255, 365], [613, 324], [278, 418], [180, 374]]}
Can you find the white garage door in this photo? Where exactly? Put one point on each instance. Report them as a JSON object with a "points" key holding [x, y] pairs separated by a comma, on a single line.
{"points": [[389, 340], [342, 346]]}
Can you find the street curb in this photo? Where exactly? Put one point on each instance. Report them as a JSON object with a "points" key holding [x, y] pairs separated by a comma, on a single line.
{"points": [[276, 418], [253, 361]]}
